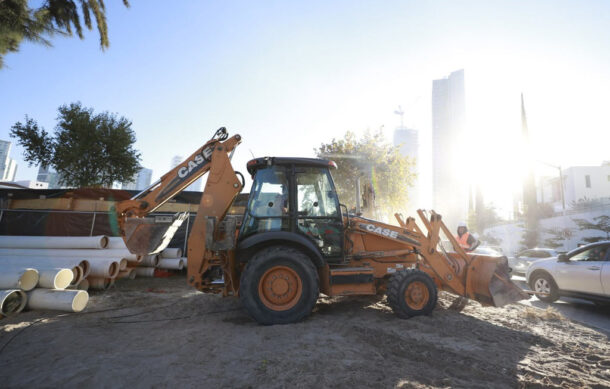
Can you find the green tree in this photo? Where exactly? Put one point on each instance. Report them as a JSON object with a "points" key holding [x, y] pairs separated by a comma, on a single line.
{"points": [[86, 149], [373, 160], [600, 223], [19, 22]]}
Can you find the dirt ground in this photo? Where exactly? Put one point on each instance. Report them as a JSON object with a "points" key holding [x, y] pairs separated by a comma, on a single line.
{"points": [[161, 333]]}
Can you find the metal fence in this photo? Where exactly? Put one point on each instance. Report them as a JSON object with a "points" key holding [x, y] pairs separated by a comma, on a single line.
{"points": [[31, 222]]}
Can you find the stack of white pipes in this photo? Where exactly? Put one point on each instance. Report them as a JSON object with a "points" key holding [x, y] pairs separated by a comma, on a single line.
{"points": [[59, 263], [168, 259], [45, 266]]}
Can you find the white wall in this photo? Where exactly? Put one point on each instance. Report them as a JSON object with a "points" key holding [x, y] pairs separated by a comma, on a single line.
{"points": [[33, 184], [575, 188]]}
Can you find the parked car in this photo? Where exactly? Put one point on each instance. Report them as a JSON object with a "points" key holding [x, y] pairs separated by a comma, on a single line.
{"points": [[583, 272], [522, 261]]}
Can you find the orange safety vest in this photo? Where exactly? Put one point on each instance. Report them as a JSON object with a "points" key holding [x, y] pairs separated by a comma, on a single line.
{"points": [[463, 240]]}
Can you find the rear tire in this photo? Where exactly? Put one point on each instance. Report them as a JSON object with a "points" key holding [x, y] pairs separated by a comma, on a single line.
{"points": [[279, 285], [543, 282], [411, 293]]}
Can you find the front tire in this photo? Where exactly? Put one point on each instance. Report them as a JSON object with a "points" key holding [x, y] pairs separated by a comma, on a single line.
{"points": [[279, 285], [544, 283], [411, 293]]}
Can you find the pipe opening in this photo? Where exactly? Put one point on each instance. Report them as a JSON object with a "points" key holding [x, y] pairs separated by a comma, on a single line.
{"points": [[80, 301], [113, 269], [63, 278], [29, 279], [13, 303], [77, 275], [86, 266]]}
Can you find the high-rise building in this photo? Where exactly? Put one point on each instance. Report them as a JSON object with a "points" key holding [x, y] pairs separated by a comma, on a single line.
{"points": [[408, 141], [196, 186], [47, 175], [449, 179], [8, 166], [140, 181], [144, 178]]}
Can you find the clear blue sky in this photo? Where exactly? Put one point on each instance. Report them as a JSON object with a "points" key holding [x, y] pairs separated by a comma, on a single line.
{"points": [[288, 75]]}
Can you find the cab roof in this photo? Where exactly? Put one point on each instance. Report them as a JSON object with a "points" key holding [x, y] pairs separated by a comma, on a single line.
{"points": [[257, 163]]}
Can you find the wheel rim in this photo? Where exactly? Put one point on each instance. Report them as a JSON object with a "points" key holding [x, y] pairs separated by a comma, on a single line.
{"points": [[417, 295], [280, 288], [541, 285]]}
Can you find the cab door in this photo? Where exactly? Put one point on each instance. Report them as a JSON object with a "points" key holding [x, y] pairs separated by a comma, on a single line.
{"points": [[582, 273], [268, 205], [318, 212]]}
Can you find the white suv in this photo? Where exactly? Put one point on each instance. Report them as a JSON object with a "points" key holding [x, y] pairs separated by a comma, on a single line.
{"points": [[522, 261], [583, 273]]}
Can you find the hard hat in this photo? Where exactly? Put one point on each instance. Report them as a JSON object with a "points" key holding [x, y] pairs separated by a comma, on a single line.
{"points": [[462, 224]]}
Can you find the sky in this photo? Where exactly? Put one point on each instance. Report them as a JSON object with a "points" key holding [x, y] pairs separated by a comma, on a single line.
{"points": [[288, 76]]}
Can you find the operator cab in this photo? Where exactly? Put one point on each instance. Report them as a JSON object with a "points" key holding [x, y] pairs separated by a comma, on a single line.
{"points": [[295, 195]]}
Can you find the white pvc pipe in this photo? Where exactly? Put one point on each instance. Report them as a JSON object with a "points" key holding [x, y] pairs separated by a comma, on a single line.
{"points": [[129, 273], [171, 253], [122, 264], [59, 300], [171, 263], [99, 283], [116, 243], [82, 285], [12, 302], [145, 271], [104, 267], [84, 254], [18, 278], [150, 260], [46, 263], [54, 242], [55, 278]]}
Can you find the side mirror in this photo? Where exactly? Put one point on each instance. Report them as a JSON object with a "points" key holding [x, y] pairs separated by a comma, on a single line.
{"points": [[562, 258]]}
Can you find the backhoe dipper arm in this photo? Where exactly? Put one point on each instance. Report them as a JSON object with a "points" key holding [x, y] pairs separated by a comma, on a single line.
{"points": [[177, 179]]}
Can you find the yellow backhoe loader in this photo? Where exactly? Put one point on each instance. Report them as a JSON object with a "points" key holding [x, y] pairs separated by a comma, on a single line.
{"points": [[296, 241]]}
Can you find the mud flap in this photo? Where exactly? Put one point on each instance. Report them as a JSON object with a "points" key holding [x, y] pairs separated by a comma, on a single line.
{"points": [[488, 282], [151, 235]]}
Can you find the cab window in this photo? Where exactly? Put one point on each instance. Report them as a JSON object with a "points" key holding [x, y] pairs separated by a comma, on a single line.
{"points": [[316, 196]]}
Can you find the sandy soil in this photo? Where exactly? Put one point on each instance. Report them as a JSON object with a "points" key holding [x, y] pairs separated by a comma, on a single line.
{"points": [[161, 333]]}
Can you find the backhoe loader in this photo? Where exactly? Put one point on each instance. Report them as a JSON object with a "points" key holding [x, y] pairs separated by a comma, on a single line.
{"points": [[296, 241]]}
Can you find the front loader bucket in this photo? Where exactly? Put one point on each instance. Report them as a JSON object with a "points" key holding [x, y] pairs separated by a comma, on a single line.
{"points": [[488, 282], [150, 235]]}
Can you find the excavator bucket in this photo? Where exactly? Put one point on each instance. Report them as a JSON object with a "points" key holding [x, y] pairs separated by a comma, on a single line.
{"points": [[150, 235], [488, 282]]}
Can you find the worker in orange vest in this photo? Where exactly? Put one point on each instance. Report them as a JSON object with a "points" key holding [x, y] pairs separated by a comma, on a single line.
{"points": [[465, 239]]}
